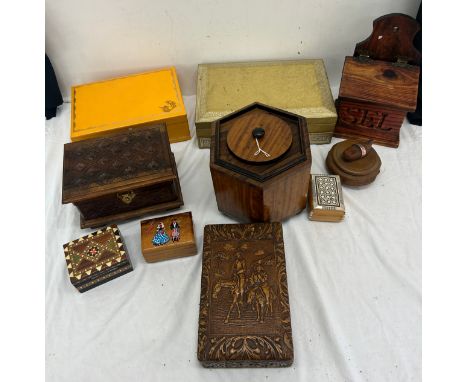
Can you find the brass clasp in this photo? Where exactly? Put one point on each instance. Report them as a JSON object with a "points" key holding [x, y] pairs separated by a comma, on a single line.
{"points": [[127, 197]]}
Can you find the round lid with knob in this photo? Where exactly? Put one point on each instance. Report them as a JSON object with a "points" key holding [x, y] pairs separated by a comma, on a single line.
{"points": [[260, 137], [259, 142]]}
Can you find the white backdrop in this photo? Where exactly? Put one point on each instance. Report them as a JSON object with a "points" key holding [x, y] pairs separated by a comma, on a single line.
{"points": [[355, 286], [89, 40]]}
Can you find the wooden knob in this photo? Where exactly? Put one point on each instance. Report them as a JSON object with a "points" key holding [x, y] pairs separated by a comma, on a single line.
{"points": [[357, 151], [258, 132]]}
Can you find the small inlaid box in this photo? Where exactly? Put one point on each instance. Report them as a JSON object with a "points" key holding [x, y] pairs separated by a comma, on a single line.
{"points": [[168, 237], [326, 198], [96, 258]]}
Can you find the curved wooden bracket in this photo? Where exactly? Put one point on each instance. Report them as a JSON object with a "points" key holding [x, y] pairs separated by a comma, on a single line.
{"points": [[391, 40]]}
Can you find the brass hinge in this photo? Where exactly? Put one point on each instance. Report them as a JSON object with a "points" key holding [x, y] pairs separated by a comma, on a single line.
{"points": [[401, 61], [364, 56]]}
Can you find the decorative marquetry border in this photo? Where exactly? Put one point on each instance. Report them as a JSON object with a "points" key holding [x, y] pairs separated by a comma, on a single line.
{"points": [[100, 266]]}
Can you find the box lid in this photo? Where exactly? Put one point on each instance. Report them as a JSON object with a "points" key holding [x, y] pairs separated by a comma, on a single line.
{"points": [[325, 194], [178, 230], [94, 255], [380, 82], [297, 86], [126, 101], [282, 144], [122, 161]]}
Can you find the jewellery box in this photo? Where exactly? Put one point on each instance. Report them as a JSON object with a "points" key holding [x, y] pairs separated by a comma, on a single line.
{"points": [[325, 198], [96, 258], [168, 237], [122, 176]]}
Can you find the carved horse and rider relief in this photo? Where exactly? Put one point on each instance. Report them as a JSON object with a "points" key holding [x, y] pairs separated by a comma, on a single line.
{"points": [[252, 287]]}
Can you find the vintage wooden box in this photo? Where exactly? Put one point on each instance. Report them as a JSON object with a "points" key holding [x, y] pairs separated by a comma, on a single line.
{"points": [[96, 258], [102, 107], [298, 86], [379, 85], [244, 304], [168, 237], [354, 173], [264, 177], [122, 176], [325, 198]]}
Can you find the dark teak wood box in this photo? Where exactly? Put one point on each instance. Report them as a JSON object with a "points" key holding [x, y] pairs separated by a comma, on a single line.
{"points": [[122, 176], [379, 84], [255, 186], [244, 319]]}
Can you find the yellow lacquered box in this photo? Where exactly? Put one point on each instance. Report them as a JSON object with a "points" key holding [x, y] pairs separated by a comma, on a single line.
{"points": [[103, 107]]}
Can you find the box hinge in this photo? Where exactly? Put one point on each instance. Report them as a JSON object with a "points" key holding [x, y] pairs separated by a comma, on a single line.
{"points": [[364, 56], [401, 61]]}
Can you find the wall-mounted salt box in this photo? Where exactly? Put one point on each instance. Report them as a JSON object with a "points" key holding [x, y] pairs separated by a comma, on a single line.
{"points": [[379, 84], [260, 163]]}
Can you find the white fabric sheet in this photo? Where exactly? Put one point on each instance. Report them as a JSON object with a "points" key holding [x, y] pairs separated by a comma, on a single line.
{"points": [[354, 286]]}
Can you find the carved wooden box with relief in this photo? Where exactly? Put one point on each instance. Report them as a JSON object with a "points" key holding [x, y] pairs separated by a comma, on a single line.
{"points": [[379, 85], [96, 258], [260, 163], [244, 317], [122, 176]]}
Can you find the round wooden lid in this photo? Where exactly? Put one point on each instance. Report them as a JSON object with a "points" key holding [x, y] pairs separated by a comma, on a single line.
{"points": [[364, 169], [272, 134]]}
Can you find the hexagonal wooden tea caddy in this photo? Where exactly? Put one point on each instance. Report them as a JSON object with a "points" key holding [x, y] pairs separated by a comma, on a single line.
{"points": [[260, 163]]}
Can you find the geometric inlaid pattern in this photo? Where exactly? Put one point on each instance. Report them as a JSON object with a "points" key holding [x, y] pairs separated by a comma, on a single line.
{"points": [[94, 253], [327, 191]]}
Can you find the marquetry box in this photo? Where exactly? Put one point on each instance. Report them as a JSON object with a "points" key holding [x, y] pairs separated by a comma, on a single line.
{"points": [[244, 318], [126, 175], [100, 108], [379, 85], [298, 86], [260, 163], [96, 258], [168, 237], [325, 198]]}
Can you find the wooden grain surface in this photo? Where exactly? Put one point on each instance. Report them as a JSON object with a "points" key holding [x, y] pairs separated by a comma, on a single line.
{"points": [[381, 83], [357, 173], [173, 249], [392, 37], [271, 191], [276, 141], [244, 316], [362, 120], [124, 160]]}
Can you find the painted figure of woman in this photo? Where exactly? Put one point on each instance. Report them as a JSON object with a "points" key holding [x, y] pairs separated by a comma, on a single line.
{"points": [[160, 237]]}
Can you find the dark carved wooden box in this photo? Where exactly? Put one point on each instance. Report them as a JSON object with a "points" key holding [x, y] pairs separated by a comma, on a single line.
{"points": [[379, 84], [260, 163], [121, 176], [244, 304]]}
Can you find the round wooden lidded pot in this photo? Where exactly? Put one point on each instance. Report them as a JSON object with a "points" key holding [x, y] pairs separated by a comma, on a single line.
{"points": [[260, 163], [358, 172]]}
